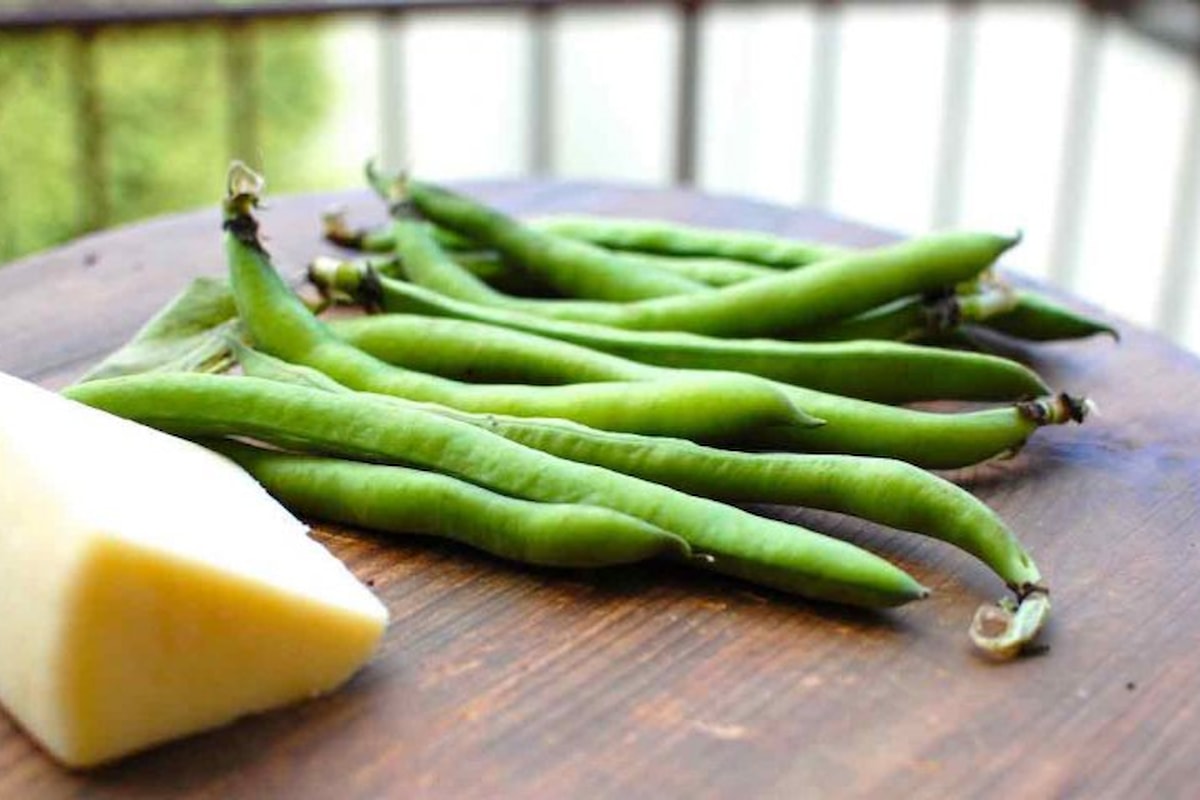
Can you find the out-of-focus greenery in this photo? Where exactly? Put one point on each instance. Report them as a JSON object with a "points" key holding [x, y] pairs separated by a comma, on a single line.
{"points": [[37, 206], [164, 105]]}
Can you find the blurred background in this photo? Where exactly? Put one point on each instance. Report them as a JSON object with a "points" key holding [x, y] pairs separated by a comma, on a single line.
{"points": [[1076, 122]]}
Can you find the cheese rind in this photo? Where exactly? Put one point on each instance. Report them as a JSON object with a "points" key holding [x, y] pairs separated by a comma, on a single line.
{"points": [[151, 588]]}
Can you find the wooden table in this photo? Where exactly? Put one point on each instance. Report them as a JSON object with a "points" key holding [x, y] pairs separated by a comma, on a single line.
{"points": [[498, 681]]}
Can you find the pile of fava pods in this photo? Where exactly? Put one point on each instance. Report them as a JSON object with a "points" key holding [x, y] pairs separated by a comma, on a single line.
{"points": [[588, 391]]}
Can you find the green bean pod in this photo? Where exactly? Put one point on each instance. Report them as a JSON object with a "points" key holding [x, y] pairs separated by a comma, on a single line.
{"points": [[909, 319], [484, 265], [675, 239], [481, 353], [927, 439], [382, 239], [931, 440], [867, 488], [359, 426], [491, 266], [427, 264], [1019, 313], [807, 298], [859, 486], [879, 371], [402, 500], [709, 271], [928, 318], [336, 229], [1037, 318], [280, 324], [574, 269], [715, 272]]}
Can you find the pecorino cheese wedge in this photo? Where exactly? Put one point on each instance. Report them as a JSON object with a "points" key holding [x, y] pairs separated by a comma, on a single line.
{"points": [[150, 588]]}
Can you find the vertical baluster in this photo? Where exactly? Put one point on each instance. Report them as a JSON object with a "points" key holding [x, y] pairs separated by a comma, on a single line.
{"points": [[822, 108], [1078, 140], [541, 91], [95, 212], [687, 101], [241, 81], [1179, 282], [393, 140], [956, 112]]}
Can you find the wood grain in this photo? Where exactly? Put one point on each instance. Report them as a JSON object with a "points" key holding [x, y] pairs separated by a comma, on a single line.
{"points": [[502, 681]]}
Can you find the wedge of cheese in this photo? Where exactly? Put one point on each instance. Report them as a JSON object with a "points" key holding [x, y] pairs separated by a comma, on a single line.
{"points": [[150, 588]]}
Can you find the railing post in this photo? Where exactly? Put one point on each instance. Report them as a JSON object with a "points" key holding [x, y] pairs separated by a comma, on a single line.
{"points": [[95, 212], [241, 81], [822, 104], [956, 113], [1077, 148], [541, 91], [393, 144], [1179, 280], [687, 93]]}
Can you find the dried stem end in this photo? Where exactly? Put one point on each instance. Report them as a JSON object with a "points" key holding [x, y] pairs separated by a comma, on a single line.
{"points": [[337, 230], [244, 189], [394, 191], [1003, 630], [1057, 409], [346, 281]]}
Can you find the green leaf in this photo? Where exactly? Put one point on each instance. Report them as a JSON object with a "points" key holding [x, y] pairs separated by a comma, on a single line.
{"points": [[190, 334]]}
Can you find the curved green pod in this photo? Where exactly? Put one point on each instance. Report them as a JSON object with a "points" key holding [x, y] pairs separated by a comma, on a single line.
{"points": [[677, 239], [873, 370], [498, 274], [425, 263], [878, 371], [491, 266], [1037, 318], [409, 501], [794, 300], [928, 318], [927, 439], [933, 440], [280, 324], [573, 268], [867, 488], [362, 427]]}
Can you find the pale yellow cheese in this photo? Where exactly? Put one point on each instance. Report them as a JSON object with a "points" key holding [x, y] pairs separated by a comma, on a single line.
{"points": [[149, 588]]}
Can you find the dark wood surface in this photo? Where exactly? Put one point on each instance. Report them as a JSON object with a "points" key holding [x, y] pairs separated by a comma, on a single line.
{"points": [[499, 681]]}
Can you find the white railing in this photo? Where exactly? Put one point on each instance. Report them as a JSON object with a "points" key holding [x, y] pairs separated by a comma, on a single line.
{"points": [[1051, 117]]}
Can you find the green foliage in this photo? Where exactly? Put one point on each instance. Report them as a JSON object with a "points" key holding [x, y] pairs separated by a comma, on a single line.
{"points": [[164, 118], [297, 93], [37, 144], [166, 121]]}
